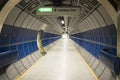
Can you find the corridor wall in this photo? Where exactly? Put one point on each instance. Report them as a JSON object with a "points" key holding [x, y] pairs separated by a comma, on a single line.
{"points": [[48, 38], [95, 33], [19, 33], [97, 39]]}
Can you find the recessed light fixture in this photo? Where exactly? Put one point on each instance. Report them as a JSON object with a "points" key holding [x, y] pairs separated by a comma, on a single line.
{"points": [[62, 22]]}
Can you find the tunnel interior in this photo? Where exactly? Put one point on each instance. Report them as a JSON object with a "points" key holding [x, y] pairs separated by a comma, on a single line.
{"points": [[93, 33]]}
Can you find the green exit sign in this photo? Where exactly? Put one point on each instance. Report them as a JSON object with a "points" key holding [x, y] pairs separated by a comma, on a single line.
{"points": [[46, 9], [58, 11]]}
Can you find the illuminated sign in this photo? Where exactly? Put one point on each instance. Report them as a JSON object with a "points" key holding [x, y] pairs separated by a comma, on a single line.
{"points": [[45, 9], [58, 11]]}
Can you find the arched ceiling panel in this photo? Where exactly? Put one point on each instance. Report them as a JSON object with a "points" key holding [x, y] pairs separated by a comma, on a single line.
{"points": [[51, 30], [99, 19], [31, 22], [91, 13], [40, 24], [105, 15], [86, 6], [35, 24], [11, 18], [93, 21], [81, 27], [90, 22], [20, 19], [26, 21]]}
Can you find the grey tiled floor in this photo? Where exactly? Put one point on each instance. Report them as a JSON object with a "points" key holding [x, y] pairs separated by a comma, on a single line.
{"points": [[62, 62]]}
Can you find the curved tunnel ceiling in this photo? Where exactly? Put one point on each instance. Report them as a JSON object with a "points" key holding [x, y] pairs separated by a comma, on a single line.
{"points": [[92, 15], [94, 27], [86, 7]]}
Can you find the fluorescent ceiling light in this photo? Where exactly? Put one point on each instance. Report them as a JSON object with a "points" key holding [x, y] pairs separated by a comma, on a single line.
{"points": [[62, 22]]}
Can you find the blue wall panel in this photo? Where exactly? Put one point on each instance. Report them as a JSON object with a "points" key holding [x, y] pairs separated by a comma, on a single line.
{"points": [[48, 38], [26, 50], [13, 47], [16, 38], [97, 39], [22, 39], [3, 49], [21, 51]]}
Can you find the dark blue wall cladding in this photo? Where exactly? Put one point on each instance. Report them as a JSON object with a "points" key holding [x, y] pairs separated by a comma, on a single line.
{"points": [[4, 48], [27, 48], [20, 39], [23, 40], [9, 35], [8, 57], [48, 38], [97, 39], [48, 35], [46, 42]]}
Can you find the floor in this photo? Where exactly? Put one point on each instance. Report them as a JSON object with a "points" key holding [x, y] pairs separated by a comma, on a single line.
{"points": [[62, 62]]}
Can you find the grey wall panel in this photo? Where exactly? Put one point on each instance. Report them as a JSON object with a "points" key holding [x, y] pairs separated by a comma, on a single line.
{"points": [[20, 19], [98, 67], [36, 55], [35, 24], [83, 55], [11, 72], [34, 58], [105, 15], [92, 61], [94, 21], [99, 19], [20, 67], [91, 22], [25, 63], [16, 69], [30, 60], [106, 75], [4, 77], [88, 58], [12, 16], [39, 54], [51, 30], [99, 70], [94, 66], [39, 25], [87, 25], [31, 22], [26, 21], [81, 27]]}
